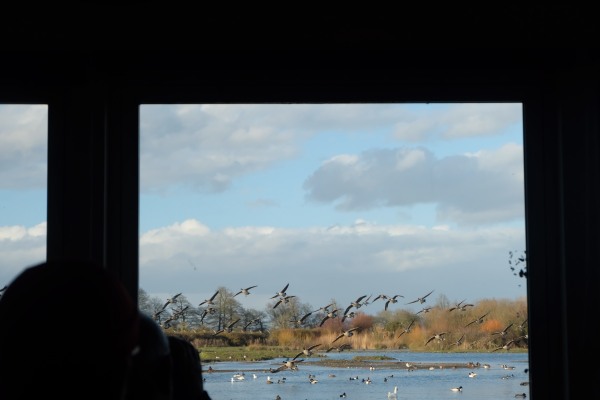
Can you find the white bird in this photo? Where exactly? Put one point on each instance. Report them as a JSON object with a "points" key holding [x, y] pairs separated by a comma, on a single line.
{"points": [[394, 394], [472, 374], [457, 389], [238, 377]]}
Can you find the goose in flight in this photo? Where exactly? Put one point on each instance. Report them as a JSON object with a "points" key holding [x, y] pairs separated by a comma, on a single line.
{"points": [[171, 300], [347, 333], [459, 341], [290, 364], [228, 328], [408, 328], [393, 299], [503, 332], [282, 292], [285, 300], [325, 308], [210, 301], [254, 321], [461, 306], [478, 320], [307, 351], [357, 304], [340, 348], [156, 315], [380, 296], [301, 320], [245, 291], [506, 346], [420, 299], [348, 315], [425, 310], [330, 314], [437, 336], [367, 301]]}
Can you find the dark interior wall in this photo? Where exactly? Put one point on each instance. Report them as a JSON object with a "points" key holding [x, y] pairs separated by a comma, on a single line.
{"points": [[95, 66]]}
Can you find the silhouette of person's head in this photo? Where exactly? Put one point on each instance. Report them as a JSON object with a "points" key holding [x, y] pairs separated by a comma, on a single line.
{"points": [[187, 371], [151, 376], [67, 330]]}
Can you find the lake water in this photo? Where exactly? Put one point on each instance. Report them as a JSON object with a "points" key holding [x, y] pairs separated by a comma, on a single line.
{"points": [[494, 382]]}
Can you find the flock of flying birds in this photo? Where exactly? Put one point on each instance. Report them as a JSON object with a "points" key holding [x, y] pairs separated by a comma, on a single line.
{"points": [[328, 312], [283, 298]]}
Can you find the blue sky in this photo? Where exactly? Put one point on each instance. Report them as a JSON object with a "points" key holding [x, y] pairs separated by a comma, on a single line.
{"points": [[337, 200]]}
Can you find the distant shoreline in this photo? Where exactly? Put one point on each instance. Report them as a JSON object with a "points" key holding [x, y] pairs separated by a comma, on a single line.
{"points": [[360, 364]]}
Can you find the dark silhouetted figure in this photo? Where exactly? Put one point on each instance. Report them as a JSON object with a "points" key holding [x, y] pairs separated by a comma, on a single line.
{"points": [[187, 371], [151, 372], [67, 331]]}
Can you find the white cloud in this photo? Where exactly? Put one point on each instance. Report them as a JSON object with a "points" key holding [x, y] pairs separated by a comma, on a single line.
{"points": [[207, 147], [20, 247], [364, 255], [23, 146], [467, 189]]}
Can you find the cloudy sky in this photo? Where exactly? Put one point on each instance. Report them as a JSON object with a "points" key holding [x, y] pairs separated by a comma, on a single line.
{"points": [[338, 200]]}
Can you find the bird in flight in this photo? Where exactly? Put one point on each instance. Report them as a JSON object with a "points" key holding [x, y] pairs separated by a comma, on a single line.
{"points": [[245, 291], [171, 300], [348, 315], [461, 306], [437, 336], [307, 351], [380, 296], [290, 364], [506, 346], [301, 320], [408, 328], [330, 314], [210, 300], [347, 333], [425, 310], [285, 300], [503, 332], [340, 348], [420, 299], [393, 299], [282, 292], [254, 321], [459, 341], [478, 320], [228, 328], [357, 304]]}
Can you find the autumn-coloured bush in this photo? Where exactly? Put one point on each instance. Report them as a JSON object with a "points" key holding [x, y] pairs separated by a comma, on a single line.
{"points": [[362, 321]]}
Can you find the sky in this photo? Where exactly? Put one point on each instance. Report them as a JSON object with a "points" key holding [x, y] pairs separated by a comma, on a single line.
{"points": [[336, 200]]}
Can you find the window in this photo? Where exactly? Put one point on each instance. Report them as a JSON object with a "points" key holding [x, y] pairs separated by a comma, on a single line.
{"points": [[336, 200], [23, 187]]}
